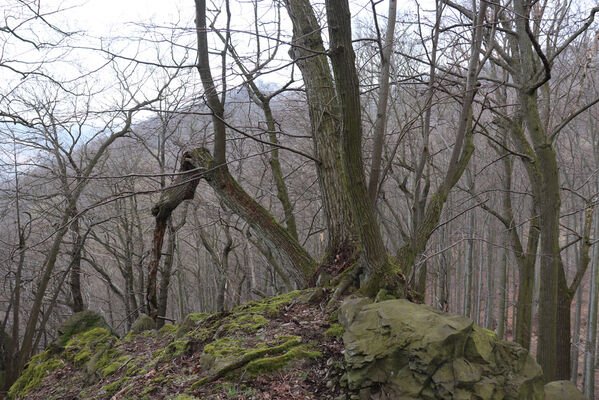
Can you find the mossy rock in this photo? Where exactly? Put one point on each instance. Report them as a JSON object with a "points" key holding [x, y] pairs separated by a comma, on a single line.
{"points": [[276, 363], [169, 329], [82, 347], [229, 357], [562, 390], [190, 322], [34, 373], [143, 323], [415, 351], [268, 307], [79, 323]]}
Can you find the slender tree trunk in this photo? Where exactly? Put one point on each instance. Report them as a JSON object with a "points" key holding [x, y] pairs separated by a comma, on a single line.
{"points": [[380, 125], [479, 285], [576, 338], [502, 318], [75, 283], [165, 275], [467, 311], [490, 322], [591, 334]]}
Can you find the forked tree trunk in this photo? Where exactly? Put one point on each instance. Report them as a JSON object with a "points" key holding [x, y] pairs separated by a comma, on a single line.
{"points": [[199, 164], [326, 120]]}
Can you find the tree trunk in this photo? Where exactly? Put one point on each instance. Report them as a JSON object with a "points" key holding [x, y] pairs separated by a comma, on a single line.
{"points": [[75, 282], [576, 338], [467, 311], [501, 319], [165, 275], [490, 322], [380, 125], [309, 53], [378, 271]]}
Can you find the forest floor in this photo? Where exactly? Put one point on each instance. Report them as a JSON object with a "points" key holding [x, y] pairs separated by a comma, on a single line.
{"points": [[165, 365], [309, 378]]}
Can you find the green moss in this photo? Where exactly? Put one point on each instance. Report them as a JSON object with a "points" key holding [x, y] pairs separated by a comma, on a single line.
{"points": [[35, 371], [184, 397], [103, 359], [115, 386], [247, 322], [83, 347], [88, 339], [115, 365], [78, 323], [225, 347], [272, 364], [174, 349], [336, 330], [491, 333], [268, 307], [198, 317], [177, 347], [334, 317], [82, 356], [135, 366], [169, 329], [282, 344]]}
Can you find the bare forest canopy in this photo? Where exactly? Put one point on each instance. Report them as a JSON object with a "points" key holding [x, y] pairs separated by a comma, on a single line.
{"points": [[445, 152]]}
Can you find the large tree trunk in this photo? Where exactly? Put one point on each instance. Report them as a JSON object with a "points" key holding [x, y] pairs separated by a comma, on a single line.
{"points": [[377, 269], [309, 53]]}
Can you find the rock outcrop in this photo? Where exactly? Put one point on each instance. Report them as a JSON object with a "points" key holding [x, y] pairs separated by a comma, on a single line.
{"points": [[143, 323], [396, 349], [562, 390]]}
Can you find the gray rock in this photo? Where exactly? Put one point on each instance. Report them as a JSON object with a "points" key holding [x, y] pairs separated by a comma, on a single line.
{"points": [[562, 390], [78, 323], [414, 351], [143, 323]]}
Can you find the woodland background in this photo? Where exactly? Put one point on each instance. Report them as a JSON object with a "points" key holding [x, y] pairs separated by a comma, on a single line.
{"points": [[93, 130]]}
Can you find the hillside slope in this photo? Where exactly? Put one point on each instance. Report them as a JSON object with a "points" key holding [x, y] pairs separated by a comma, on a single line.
{"points": [[280, 348], [288, 347]]}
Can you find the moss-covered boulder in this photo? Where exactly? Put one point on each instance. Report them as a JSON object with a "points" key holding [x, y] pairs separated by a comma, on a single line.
{"points": [[414, 351], [78, 323], [35, 371], [562, 390], [143, 323]]}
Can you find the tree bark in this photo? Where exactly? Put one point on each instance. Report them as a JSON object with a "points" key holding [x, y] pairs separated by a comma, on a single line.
{"points": [[75, 281], [199, 163], [309, 53], [380, 124]]}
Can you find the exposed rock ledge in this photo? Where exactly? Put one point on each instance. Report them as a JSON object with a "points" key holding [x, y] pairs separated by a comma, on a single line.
{"points": [[396, 349]]}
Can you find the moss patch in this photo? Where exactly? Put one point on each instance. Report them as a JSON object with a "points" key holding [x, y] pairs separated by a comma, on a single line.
{"points": [[78, 323], [115, 386], [35, 371], [115, 365], [80, 348], [336, 330], [184, 397], [268, 307], [272, 364], [168, 329], [247, 322]]}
